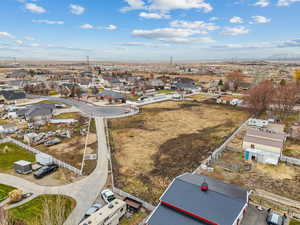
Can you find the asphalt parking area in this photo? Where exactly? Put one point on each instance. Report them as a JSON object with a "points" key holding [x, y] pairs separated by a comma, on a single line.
{"points": [[254, 216]]}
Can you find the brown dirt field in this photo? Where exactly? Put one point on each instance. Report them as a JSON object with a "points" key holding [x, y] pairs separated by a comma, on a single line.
{"points": [[292, 148], [71, 151], [165, 140], [283, 180]]}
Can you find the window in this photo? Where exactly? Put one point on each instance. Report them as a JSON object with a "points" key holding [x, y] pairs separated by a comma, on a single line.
{"points": [[252, 146]]}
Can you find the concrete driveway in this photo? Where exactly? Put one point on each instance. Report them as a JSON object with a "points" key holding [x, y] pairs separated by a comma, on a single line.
{"points": [[254, 216]]}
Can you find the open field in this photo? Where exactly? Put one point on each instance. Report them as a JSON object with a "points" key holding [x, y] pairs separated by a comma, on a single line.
{"points": [[292, 148], [4, 190], [10, 153], [283, 180], [165, 91], [294, 222], [165, 140], [34, 211], [199, 97], [70, 150]]}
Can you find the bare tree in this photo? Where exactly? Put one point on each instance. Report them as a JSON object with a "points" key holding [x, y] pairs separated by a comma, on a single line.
{"points": [[285, 98], [259, 97], [235, 79]]}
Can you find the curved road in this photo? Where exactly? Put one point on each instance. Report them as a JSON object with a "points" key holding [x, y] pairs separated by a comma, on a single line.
{"points": [[95, 111], [86, 190]]}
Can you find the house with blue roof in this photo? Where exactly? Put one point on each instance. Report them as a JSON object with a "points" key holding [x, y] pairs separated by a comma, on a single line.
{"points": [[193, 199]]}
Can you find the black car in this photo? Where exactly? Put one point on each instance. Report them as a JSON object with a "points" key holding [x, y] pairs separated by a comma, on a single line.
{"points": [[45, 170]]}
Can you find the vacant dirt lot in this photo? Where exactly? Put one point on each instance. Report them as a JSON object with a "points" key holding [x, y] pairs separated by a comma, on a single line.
{"points": [[282, 180], [71, 151], [165, 140], [292, 148]]}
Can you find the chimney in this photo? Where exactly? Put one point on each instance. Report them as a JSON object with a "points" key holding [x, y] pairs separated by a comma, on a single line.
{"points": [[204, 186]]}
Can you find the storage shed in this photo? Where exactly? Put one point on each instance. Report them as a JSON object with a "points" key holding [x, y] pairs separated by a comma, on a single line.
{"points": [[261, 156], [23, 167]]}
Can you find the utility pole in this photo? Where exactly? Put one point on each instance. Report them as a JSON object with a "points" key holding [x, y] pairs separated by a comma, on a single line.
{"points": [[171, 60], [88, 62]]}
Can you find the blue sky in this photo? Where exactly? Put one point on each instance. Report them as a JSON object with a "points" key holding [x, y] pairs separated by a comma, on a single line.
{"points": [[139, 30]]}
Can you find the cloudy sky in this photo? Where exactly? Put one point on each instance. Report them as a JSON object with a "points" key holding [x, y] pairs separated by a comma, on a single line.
{"points": [[149, 29]]}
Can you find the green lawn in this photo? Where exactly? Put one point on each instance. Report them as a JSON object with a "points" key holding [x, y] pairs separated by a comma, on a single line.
{"points": [[33, 212], [71, 115], [165, 91], [294, 222], [10, 153], [4, 190]]}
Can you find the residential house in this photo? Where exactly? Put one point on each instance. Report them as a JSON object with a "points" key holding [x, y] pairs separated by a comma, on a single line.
{"points": [[38, 114], [263, 145], [193, 199], [111, 96], [156, 83], [8, 128], [188, 87], [11, 97]]}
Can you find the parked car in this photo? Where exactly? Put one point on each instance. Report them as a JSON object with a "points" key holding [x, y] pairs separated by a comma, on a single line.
{"points": [[94, 208], [45, 170], [275, 219], [108, 195]]}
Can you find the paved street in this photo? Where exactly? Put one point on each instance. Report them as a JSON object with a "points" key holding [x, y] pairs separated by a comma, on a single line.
{"points": [[93, 110], [83, 191]]}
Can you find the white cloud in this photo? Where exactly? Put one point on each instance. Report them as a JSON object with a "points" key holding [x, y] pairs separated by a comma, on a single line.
{"points": [[168, 5], [48, 22], [260, 45], [76, 9], [34, 8], [111, 27], [235, 30], [236, 19], [153, 15], [286, 2], [6, 35], [262, 3], [146, 44], [87, 26], [214, 18], [260, 19], [133, 4], [201, 26], [177, 35], [19, 42], [28, 38]]}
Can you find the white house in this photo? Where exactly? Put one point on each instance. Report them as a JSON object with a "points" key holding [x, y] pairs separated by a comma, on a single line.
{"points": [[8, 128], [263, 146]]}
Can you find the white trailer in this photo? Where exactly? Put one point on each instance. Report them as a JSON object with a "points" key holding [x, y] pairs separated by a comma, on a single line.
{"points": [[108, 215], [44, 159]]}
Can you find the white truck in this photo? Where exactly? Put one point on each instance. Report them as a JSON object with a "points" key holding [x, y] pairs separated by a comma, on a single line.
{"points": [[257, 123]]}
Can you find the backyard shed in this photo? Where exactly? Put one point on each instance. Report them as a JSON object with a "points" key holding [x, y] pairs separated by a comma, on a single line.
{"points": [[23, 167], [261, 156]]}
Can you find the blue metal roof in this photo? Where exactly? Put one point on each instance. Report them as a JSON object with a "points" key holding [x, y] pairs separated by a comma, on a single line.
{"points": [[221, 204]]}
